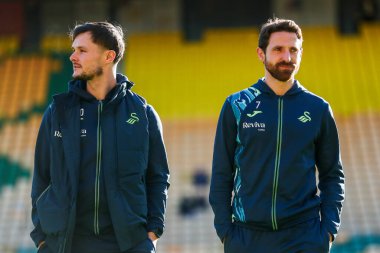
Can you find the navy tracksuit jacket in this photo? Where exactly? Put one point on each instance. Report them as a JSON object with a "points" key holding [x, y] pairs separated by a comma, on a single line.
{"points": [[267, 150], [130, 176]]}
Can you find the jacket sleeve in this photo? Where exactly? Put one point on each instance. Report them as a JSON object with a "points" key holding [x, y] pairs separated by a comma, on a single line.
{"points": [[223, 170], [157, 180], [331, 177], [41, 174]]}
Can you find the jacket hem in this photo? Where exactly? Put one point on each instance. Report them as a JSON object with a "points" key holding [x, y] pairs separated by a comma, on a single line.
{"points": [[282, 224]]}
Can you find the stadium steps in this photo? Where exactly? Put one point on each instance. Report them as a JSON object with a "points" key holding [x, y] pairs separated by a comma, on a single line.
{"points": [[24, 82]]}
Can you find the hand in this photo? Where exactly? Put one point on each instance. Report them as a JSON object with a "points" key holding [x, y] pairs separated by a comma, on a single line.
{"points": [[330, 240], [152, 236], [41, 244], [330, 237]]}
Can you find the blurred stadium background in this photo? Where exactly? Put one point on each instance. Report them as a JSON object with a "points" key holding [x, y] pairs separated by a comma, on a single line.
{"points": [[186, 57]]}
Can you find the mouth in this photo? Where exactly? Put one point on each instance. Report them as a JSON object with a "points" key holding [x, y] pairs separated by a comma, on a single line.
{"points": [[286, 66]]}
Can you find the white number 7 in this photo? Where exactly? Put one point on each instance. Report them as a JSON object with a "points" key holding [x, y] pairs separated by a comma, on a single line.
{"points": [[258, 104]]}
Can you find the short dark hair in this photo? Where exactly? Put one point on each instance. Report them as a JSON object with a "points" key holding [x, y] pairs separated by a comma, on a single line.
{"points": [[104, 34], [277, 25]]}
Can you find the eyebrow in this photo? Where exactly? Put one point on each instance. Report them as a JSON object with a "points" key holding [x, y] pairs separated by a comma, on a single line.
{"points": [[292, 47], [79, 47]]}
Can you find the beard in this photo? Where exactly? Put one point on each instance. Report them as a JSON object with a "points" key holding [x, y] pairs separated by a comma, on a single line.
{"points": [[89, 76], [282, 75]]}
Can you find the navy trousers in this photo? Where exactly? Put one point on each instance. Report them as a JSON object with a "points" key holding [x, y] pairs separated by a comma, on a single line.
{"points": [[307, 237], [145, 246]]}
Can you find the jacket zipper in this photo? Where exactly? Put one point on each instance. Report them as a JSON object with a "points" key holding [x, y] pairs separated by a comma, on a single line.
{"points": [[277, 164], [98, 166]]}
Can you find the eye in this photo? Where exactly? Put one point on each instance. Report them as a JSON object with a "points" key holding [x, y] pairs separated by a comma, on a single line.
{"points": [[79, 50], [293, 50]]}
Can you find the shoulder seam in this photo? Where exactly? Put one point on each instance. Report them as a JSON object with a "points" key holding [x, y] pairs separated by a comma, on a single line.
{"points": [[241, 99]]}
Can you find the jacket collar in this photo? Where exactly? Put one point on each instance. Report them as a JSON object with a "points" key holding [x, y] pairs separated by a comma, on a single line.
{"points": [[263, 87]]}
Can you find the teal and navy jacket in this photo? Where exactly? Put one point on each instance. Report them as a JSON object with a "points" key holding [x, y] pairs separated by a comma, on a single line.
{"points": [[134, 171], [267, 151]]}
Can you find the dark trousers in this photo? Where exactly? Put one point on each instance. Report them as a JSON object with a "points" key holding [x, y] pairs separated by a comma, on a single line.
{"points": [[307, 237], [145, 246]]}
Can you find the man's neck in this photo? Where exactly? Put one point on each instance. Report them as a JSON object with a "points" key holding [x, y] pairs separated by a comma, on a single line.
{"points": [[278, 87], [100, 86]]}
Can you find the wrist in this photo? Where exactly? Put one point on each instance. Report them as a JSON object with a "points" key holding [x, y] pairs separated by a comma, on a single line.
{"points": [[152, 236], [156, 231]]}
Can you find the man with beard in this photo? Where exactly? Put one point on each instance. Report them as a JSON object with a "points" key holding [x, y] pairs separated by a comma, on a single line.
{"points": [[101, 174], [271, 139]]}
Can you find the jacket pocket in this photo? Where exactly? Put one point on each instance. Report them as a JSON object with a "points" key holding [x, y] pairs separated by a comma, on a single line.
{"points": [[51, 213], [134, 192], [131, 162], [43, 193], [325, 238]]}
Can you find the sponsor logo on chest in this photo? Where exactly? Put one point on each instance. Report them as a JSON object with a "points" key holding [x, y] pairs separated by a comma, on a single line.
{"points": [[260, 126]]}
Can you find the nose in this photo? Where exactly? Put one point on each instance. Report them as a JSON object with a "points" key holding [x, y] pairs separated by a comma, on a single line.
{"points": [[287, 56], [73, 57]]}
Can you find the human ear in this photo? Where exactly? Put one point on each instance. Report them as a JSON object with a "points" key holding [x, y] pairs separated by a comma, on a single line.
{"points": [[260, 54], [110, 56]]}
